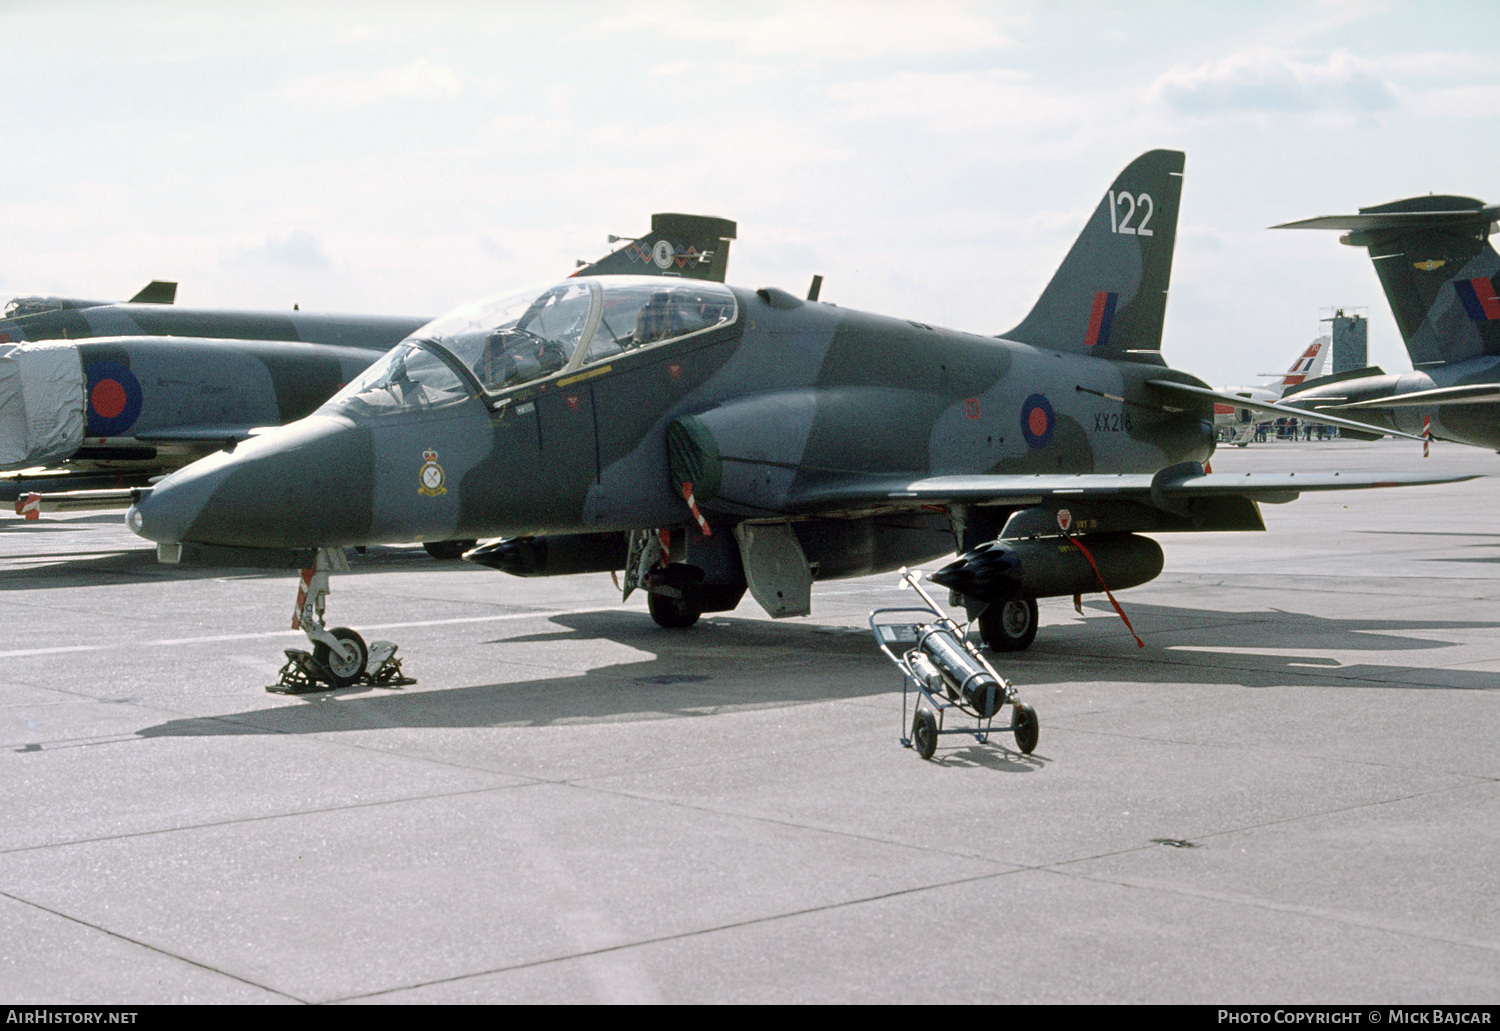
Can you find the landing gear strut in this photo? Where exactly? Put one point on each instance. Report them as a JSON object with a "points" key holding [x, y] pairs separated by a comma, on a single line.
{"points": [[339, 657]]}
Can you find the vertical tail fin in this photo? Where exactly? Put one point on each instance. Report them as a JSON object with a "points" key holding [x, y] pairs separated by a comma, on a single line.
{"points": [[158, 291], [1438, 269], [1109, 296], [1306, 365], [691, 246]]}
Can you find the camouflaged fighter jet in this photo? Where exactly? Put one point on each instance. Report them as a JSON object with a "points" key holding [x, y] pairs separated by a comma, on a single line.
{"points": [[1439, 272], [133, 389], [708, 440]]}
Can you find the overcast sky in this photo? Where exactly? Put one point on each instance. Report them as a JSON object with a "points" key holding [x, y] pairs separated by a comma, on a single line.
{"points": [[932, 161]]}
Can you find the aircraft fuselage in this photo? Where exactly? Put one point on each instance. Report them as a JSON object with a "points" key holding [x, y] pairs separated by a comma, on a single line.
{"points": [[821, 390], [1462, 423]]}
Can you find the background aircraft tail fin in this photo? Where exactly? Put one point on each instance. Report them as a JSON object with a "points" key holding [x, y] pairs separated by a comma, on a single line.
{"points": [[690, 246], [1304, 366], [1109, 296], [158, 291], [1438, 269]]}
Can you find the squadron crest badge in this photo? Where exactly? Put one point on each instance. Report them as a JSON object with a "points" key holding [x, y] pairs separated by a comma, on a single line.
{"points": [[430, 477]]}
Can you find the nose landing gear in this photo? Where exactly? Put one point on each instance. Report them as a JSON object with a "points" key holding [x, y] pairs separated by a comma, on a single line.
{"points": [[340, 657]]}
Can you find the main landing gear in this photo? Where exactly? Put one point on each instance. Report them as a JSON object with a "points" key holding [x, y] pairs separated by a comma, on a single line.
{"points": [[1009, 626], [340, 657]]}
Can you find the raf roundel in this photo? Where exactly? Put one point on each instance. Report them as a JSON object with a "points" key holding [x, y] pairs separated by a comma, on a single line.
{"points": [[1037, 421], [114, 398]]}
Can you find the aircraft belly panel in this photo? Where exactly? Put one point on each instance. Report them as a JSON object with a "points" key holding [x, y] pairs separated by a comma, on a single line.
{"points": [[838, 548]]}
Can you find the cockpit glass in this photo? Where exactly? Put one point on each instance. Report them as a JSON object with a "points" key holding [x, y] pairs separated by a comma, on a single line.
{"points": [[531, 334], [518, 337], [20, 307], [407, 378], [640, 312]]}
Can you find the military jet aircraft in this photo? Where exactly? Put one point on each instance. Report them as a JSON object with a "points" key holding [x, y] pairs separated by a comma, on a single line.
{"points": [[1439, 272], [155, 292], [133, 389], [708, 440], [138, 387]]}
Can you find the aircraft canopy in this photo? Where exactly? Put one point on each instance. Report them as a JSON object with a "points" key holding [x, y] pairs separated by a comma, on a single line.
{"points": [[531, 335]]}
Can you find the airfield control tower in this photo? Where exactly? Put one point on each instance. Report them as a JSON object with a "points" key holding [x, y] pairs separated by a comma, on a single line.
{"points": [[1351, 334]]}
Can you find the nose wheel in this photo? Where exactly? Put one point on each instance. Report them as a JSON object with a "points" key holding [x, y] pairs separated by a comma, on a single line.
{"points": [[339, 657], [347, 664]]}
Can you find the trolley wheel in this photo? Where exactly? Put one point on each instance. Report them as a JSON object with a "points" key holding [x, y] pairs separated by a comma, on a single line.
{"points": [[1024, 722], [447, 550], [1009, 626], [924, 733], [672, 613], [344, 671]]}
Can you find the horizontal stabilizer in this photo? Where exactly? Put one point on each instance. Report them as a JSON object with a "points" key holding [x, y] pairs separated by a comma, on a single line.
{"points": [[1279, 409], [1337, 377], [1400, 220], [1473, 394]]}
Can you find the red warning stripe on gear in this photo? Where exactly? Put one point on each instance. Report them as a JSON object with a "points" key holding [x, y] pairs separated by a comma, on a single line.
{"points": [[687, 495]]}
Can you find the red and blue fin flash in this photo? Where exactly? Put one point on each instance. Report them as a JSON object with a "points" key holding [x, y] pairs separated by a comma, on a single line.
{"points": [[1478, 298], [1101, 318]]}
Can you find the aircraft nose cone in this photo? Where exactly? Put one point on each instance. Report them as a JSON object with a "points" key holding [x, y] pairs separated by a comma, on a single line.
{"points": [[304, 485]]}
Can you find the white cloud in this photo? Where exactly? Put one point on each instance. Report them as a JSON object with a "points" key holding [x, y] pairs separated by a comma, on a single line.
{"points": [[981, 102], [1265, 81], [298, 249], [827, 30], [421, 80]]}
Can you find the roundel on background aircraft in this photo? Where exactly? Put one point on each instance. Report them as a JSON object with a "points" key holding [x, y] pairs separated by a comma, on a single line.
{"points": [[114, 398], [1037, 420]]}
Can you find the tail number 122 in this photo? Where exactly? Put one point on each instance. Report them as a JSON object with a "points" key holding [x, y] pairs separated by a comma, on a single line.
{"points": [[1121, 224]]}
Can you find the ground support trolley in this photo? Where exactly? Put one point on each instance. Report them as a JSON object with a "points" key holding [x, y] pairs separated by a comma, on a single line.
{"points": [[936, 660]]}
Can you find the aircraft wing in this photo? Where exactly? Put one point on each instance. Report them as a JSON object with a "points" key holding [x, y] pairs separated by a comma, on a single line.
{"points": [[1167, 489], [1279, 409], [1473, 394]]}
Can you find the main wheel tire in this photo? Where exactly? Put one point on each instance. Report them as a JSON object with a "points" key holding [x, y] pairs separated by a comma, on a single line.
{"points": [[447, 550], [672, 613], [1009, 626], [1028, 729], [924, 733], [344, 671]]}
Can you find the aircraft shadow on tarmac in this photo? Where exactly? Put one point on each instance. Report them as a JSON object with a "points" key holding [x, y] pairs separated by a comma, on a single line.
{"points": [[76, 568], [1255, 649], [729, 664]]}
